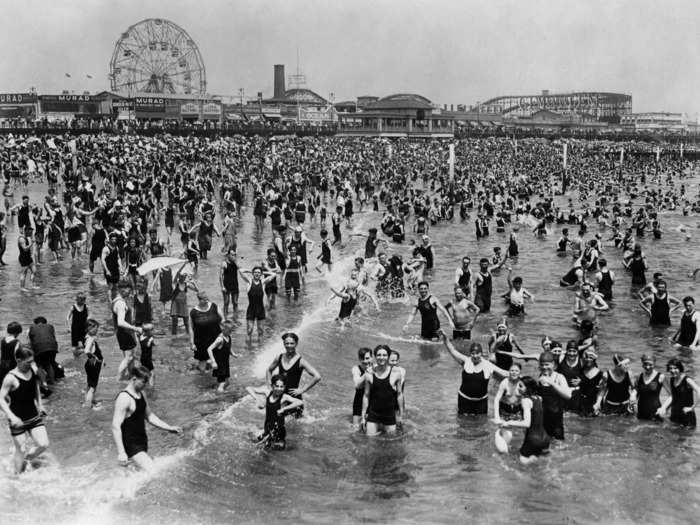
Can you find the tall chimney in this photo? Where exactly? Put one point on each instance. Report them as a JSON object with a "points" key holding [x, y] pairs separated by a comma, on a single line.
{"points": [[279, 80]]}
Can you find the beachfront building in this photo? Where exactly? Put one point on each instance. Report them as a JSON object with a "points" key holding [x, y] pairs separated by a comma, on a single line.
{"points": [[399, 115]]}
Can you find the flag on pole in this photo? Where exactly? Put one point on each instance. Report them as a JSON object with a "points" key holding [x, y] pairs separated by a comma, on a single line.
{"points": [[68, 75], [452, 162]]}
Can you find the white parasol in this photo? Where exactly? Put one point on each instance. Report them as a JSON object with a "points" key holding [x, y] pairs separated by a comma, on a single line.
{"points": [[156, 263]]}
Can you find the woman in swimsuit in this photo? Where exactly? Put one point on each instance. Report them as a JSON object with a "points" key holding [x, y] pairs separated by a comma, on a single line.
{"points": [[506, 404], [536, 442], [684, 395]]}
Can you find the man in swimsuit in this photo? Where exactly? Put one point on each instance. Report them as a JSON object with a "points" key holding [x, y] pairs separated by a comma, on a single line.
{"points": [[463, 277], [587, 305], [463, 313], [228, 280], [382, 403], [428, 306], [659, 305], [20, 400], [124, 330], [131, 411], [483, 284], [25, 244], [688, 333]]}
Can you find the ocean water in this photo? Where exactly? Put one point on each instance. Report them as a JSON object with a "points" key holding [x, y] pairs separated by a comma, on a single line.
{"points": [[442, 469]]}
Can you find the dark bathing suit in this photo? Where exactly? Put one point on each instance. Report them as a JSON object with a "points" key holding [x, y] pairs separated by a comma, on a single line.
{"points": [[133, 428], [382, 398]]}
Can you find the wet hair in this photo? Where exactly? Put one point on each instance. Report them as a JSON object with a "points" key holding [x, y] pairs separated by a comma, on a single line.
{"points": [[602, 262], [140, 372], [287, 335], [40, 320], [278, 377], [688, 299], [530, 385], [257, 268], [396, 353], [476, 348], [381, 347], [518, 280], [14, 328], [483, 260], [423, 283], [516, 364], [362, 352], [674, 361], [92, 323], [324, 233], [227, 323], [23, 352]]}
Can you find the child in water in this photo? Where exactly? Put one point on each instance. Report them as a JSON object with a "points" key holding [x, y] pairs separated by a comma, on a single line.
{"points": [[219, 352], [93, 364], [277, 405]]}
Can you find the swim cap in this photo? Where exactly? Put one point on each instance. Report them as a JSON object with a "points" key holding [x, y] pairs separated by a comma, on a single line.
{"points": [[618, 359]]}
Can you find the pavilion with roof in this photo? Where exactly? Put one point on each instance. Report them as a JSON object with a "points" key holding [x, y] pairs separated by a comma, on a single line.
{"points": [[398, 115]]}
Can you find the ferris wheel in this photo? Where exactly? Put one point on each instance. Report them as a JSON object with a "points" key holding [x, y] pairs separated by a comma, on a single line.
{"points": [[157, 56]]}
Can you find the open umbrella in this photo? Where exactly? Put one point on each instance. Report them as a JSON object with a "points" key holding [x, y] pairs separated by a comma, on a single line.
{"points": [[156, 263]]}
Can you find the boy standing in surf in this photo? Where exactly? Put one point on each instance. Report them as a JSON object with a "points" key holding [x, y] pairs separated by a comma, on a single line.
{"points": [[131, 411]]}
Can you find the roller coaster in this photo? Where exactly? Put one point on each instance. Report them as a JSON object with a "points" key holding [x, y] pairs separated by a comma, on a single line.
{"points": [[601, 105]]}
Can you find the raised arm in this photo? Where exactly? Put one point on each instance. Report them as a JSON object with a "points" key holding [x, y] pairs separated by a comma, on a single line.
{"points": [[460, 358]]}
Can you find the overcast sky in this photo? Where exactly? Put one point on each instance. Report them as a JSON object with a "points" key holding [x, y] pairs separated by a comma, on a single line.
{"points": [[451, 51]]}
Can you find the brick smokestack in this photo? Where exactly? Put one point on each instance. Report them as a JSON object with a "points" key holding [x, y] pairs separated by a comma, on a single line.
{"points": [[279, 81]]}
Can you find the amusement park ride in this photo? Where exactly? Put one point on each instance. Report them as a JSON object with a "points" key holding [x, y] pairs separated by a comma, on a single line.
{"points": [[157, 56]]}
